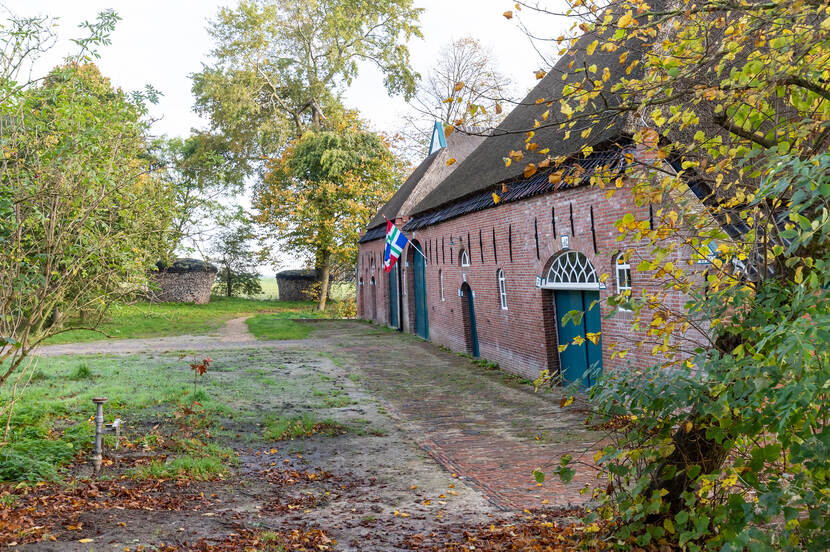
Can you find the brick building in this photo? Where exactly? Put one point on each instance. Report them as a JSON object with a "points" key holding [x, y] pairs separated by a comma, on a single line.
{"points": [[496, 279]]}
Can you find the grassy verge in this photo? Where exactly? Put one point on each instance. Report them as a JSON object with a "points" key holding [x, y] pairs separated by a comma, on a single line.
{"points": [[145, 319], [276, 327]]}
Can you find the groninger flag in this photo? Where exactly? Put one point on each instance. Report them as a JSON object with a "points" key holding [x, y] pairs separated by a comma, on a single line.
{"points": [[395, 242]]}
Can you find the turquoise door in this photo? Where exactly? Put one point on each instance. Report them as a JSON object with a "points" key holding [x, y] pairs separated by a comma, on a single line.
{"points": [[579, 363], [394, 319], [420, 285], [469, 298]]}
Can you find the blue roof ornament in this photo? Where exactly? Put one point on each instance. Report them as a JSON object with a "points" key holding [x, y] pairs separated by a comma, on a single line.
{"points": [[441, 142]]}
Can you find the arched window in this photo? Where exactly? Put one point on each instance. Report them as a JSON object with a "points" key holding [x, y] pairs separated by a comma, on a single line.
{"points": [[572, 270], [465, 259], [623, 271], [441, 281], [502, 289]]}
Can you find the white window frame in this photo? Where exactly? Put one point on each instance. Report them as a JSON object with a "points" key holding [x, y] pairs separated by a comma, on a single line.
{"points": [[441, 280], [502, 289], [621, 265], [465, 259]]}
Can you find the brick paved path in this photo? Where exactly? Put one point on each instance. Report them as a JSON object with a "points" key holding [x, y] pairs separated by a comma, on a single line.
{"points": [[484, 425]]}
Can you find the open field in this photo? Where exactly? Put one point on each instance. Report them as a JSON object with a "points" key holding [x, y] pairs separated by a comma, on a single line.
{"points": [[270, 291]]}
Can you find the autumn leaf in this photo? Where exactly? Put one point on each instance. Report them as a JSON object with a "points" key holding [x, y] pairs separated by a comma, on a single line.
{"points": [[498, 109], [508, 14], [540, 74], [504, 188], [625, 20], [451, 161], [448, 129], [530, 170], [458, 86], [496, 198]]}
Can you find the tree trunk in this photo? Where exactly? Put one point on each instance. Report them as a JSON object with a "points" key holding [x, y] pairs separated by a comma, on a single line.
{"points": [[690, 448], [324, 283], [228, 280]]}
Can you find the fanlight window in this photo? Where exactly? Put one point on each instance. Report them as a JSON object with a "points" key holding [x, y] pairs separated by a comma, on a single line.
{"points": [[573, 269]]}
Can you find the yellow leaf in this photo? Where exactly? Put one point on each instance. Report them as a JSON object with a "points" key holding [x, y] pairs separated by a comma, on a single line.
{"points": [[592, 68], [555, 178], [504, 188], [451, 161], [508, 15], [507, 161], [540, 74], [498, 109], [85, 540], [544, 163], [448, 129], [459, 85], [688, 427], [530, 170], [625, 20], [591, 47], [496, 198], [566, 402]]}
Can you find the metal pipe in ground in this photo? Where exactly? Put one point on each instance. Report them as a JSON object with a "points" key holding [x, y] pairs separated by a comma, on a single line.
{"points": [[98, 456]]}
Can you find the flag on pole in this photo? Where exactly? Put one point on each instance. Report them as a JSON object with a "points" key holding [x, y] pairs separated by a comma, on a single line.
{"points": [[395, 242]]}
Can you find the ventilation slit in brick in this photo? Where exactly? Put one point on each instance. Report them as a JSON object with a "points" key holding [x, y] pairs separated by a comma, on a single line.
{"points": [[470, 247], [571, 207], [510, 241], [593, 231], [480, 245], [443, 252], [495, 252], [536, 236], [553, 220]]}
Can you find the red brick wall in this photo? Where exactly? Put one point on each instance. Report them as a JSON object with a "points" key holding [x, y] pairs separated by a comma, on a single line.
{"points": [[523, 338]]}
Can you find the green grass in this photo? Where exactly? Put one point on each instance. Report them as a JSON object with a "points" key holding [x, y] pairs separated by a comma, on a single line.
{"points": [[183, 467], [52, 423], [283, 428], [143, 319], [276, 327]]}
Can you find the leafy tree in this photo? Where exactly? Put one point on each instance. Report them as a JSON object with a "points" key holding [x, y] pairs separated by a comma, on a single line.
{"points": [[237, 261], [464, 87], [277, 73], [724, 443], [82, 213], [279, 66], [322, 192], [203, 178]]}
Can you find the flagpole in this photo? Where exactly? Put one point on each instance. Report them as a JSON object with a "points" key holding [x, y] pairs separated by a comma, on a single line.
{"points": [[415, 247]]}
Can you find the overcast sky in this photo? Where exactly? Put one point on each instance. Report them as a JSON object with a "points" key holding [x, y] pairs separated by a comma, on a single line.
{"points": [[162, 42]]}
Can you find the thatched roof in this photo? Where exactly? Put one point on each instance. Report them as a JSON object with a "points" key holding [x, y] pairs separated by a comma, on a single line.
{"points": [[425, 178], [180, 266], [485, 167]]}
